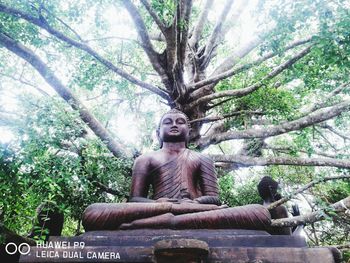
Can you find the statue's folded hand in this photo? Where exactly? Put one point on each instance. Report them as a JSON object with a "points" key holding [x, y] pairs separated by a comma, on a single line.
{"points": [[206, 199], [167, 200], [189, 201], [125, 226]]}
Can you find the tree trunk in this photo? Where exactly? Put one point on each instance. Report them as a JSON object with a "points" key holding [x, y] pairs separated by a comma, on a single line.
{"points": [[64, 92]]}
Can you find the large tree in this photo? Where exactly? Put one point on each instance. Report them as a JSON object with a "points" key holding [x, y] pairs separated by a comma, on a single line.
{"points": [[280, 97]]}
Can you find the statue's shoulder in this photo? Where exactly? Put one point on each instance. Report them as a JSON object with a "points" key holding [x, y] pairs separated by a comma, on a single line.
{"points": [[201, 156], [143, 159], [148, 157]]}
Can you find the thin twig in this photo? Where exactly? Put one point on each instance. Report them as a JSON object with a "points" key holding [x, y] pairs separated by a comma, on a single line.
{"points": [[26, 83], [225, 116], [305, 187]]}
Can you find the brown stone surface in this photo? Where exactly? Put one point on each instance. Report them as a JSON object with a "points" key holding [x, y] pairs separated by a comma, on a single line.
{"points": [[181, 250], [271, 255], [235, 254], [215, 238], [224, 246]]}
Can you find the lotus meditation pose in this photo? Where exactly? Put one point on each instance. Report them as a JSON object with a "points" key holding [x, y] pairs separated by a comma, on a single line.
{"points": [[184, 190]]}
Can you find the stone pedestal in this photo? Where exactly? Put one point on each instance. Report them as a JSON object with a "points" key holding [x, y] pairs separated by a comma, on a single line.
{"points": [[181, 250], [151, 245]]}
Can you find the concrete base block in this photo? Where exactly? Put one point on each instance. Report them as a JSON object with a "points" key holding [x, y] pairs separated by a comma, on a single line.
{"points": [[206, 245]]}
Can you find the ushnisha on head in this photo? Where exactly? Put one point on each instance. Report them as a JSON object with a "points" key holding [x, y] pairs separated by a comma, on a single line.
{"points": [[174, 126]]}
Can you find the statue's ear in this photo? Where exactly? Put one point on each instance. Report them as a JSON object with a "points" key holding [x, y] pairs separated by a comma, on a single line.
{"points": [[159, 139], [188, 136]]}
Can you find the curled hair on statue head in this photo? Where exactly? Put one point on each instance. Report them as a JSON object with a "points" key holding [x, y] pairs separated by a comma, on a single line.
{"points": [[172, 111]]}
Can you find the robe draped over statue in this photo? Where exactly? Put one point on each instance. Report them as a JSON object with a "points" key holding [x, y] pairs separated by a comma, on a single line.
{"points": [[188, 175], [176, 179]]}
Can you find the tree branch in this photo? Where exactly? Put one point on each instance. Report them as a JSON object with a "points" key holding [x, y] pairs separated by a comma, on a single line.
{"points": [[82, 46], [197, 31], [64, 92], [143, 34], [41, 91], [232, 60], [330, 96], [232, 20], [213, 105], [217, 30], [230, 73], [343, 246], [186, 7], [157, 36], [109, 190], [229, 115], [326, 139], [245, 161], [338, 207], [110, 37], [310, 119], [63, 23], [245, 91], [286, 150], [155, 17], [305, 187], [330, 128]]}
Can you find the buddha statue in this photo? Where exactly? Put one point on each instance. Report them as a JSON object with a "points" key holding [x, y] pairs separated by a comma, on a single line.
{"points": [[268, 191], [184, 190]]}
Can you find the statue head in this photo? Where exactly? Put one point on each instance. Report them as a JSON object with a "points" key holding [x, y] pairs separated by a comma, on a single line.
{"points": [[268, 189], [174, 126]]}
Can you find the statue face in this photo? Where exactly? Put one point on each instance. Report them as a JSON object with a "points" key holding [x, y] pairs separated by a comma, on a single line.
{"points": [[173, 128]]}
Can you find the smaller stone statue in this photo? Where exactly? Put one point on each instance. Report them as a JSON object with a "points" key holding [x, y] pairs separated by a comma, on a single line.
{"points": [[268, 191], [49, 222]]}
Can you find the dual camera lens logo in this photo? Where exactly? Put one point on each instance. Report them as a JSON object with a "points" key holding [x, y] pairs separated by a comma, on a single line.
{"points": [[23, 248]]}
